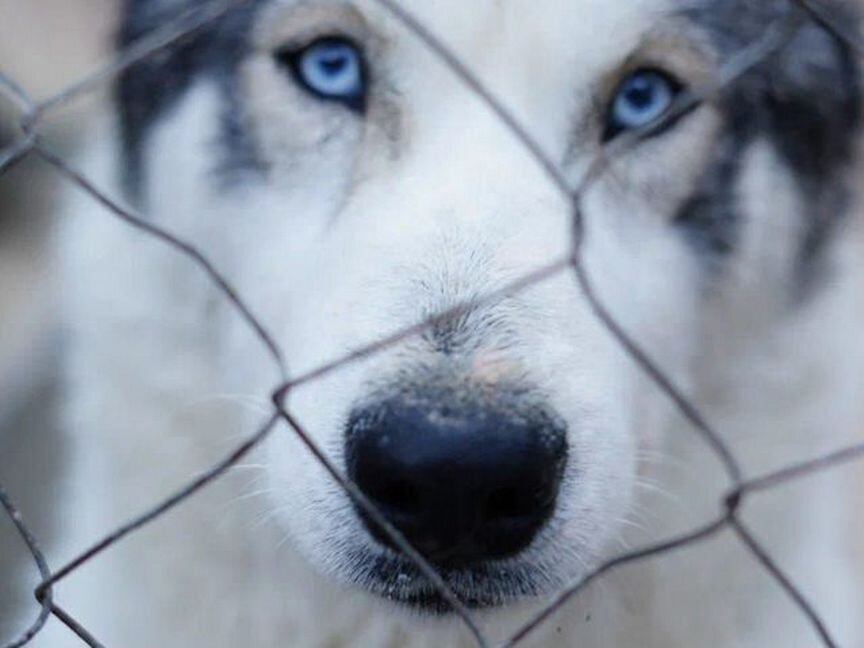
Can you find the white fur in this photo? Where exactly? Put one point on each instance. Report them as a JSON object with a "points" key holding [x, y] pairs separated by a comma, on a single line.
{"points": [[355, 231]]}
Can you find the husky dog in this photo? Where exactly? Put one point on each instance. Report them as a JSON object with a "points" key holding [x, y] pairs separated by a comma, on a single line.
{"points": [[349, 185]]}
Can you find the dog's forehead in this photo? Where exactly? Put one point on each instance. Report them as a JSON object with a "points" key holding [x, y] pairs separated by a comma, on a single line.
{"points": [[584, 29], [456, 14]]}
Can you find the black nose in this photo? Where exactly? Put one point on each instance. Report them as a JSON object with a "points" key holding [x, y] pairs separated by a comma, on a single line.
{"points": [[464, 484]]}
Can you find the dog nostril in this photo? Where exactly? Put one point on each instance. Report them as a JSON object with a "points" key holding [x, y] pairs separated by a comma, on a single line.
{"points": [[508, 504], [396, 496]]}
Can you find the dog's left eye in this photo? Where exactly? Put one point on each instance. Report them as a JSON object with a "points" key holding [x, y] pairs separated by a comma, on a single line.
{"points": [[642, 98], [331, 68]]}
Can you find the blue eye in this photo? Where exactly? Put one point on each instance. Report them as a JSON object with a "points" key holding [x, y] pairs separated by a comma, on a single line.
{"points": [[642, 98], [331, 68]]}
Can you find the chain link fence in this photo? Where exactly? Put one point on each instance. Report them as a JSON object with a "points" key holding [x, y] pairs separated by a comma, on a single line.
{"points": [[28, 144]]}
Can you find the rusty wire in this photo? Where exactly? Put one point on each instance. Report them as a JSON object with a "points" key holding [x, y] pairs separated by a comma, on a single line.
{"points": [[31, 114]]}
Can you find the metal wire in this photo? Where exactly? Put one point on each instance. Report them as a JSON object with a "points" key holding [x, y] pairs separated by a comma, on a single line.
{"points": [[777, 36]]}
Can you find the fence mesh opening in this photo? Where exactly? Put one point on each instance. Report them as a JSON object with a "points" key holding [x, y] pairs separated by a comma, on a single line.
{"points": [[26, 143]]}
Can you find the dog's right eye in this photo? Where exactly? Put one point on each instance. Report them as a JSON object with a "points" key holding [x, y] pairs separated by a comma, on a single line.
{"points": [[642, 98], [331, 68]]}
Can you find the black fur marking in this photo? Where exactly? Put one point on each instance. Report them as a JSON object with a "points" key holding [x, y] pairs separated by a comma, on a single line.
{"points": [[148, 90], [803, 99], [709, 216]]}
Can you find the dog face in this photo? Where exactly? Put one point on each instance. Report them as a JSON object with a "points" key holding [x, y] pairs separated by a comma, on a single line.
{"points": [[350, 185]]}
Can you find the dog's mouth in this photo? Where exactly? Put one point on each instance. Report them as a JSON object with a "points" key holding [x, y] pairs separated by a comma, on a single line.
{"points": [[480, 586]]}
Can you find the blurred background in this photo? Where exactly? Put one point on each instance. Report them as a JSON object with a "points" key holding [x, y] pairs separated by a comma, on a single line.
{"points": [[44, 45]]}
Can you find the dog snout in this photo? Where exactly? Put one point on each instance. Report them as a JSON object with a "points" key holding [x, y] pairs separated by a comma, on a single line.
{"points": [[464, 484]]}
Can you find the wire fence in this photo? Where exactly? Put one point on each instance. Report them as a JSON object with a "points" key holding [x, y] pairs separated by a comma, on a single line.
{"points": [[29, 144]]}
